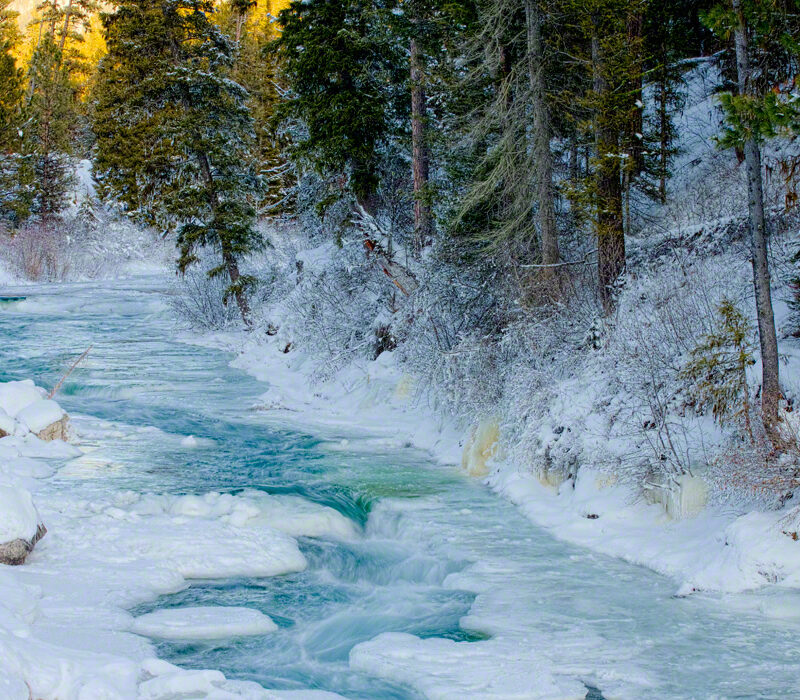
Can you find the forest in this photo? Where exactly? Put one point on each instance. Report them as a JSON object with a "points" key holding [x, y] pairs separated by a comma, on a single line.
{"points": [[512, 199], [399, 349]]}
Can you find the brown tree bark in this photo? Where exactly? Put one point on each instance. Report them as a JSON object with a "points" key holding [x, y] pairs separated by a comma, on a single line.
{"points": [[420, 157], [543, 157], [608, 185], [770, 380]]}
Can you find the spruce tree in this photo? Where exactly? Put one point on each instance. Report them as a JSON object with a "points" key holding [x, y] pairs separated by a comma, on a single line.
{"points": [[10, 104], [50, 120], [765, 35], [174, 134], [345, 79]]}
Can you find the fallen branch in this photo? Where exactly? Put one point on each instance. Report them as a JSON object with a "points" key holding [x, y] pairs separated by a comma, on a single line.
{"points": [[68, 372]]}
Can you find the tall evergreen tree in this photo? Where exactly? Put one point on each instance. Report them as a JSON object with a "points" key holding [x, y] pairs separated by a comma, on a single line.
{"points": [[174, 134], [50, 120], [765, 34], [612, 52], [10, 104], [345, 79]]}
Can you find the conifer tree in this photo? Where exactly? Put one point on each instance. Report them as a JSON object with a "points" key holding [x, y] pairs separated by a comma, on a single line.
{"points": [[10, 104], [345, 79], [762, 31], [612, 52], [50, 119], [174, 135]]}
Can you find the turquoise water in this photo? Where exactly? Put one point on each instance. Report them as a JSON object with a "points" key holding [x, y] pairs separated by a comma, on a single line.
{"points": [[141, 391]]}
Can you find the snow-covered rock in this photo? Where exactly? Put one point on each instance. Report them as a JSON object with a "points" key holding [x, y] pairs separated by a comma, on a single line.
{"points": [[7, 424], [20, 525], [44, 418], [24, 409]]}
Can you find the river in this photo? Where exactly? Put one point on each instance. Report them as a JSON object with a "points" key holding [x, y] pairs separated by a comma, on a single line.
{"points": [[437, 555]]}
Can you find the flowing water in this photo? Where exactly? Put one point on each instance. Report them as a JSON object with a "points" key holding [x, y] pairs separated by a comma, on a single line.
{"points": [[594, 616]]}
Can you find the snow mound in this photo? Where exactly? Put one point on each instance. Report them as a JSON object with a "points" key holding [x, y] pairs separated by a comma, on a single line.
{"points": [[18, 516], [442, 668], [203, 623], [25, 409], [40, 414], [14, 396]]}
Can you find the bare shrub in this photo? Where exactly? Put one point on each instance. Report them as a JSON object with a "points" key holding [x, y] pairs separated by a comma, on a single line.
{"points": [[198, 301], [38, 252], [750, 472]]}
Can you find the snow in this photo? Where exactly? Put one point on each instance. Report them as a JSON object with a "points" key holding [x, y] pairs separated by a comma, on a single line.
{"points": [[18, 516], [442, 668], [291, 515], [40, 414], [203, 623], [14, 396]]}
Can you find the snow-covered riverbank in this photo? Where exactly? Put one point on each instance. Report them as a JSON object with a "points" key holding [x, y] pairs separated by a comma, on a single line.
{"points": [[712, 550]]}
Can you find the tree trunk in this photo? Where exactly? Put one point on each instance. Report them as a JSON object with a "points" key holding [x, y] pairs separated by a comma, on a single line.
{"points": [[67, 17], [608, 185], [663, 118], [543, 157], [423, 219], [635, 28], [770, 384], [228, 258]]}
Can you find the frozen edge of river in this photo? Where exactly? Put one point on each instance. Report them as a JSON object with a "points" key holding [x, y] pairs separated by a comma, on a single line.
{"points": [[715, 551]]}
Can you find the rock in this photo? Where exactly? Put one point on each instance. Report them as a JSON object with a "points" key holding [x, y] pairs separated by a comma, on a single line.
{"points": [[15, 552], [20, 525], [55, 431]]}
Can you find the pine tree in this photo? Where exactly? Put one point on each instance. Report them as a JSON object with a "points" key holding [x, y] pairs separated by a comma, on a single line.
{"points": [[255, 68], [174, 135], [760, 29], [344, 73], [612, 52], [50, 119], [10, 104]]}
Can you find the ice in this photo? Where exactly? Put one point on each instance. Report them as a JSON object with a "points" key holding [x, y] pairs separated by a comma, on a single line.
{"points": [[7, 424], [255, 509], [443, 669], [203, 623]]}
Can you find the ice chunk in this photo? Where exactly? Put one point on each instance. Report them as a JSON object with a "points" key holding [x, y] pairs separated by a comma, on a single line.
{"points": [[203, 623], [7, 424]]}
